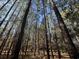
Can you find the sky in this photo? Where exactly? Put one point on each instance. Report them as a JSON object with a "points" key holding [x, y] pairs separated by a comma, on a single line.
{"points": [[40, 13]]}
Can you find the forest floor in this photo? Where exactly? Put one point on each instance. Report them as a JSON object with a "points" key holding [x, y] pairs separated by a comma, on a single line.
{"points": [[31, 55]]}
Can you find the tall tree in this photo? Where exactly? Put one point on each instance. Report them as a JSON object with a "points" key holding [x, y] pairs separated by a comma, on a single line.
{"points": [[46, 36], [15, 52], [8, 12], [4, 4], [71, 47], [8, 21]]}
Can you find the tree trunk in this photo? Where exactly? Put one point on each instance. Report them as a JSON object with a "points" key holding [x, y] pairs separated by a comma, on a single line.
{"points": [[4, 5], [57, 47], [47, 43], [15, 52], [71, 47], [8, 21], [7, 13]]}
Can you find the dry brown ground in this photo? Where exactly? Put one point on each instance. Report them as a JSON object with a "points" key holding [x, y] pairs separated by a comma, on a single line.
{"points": [[30, 55]]}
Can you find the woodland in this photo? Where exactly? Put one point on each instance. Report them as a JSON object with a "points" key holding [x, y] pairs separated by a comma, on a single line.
{"points": [[39, 29]]}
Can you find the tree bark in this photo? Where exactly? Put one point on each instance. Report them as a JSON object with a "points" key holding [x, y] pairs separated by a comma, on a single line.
{"points": [[8, 21], [15, 53], [72, 50], [46, 36], [7, 13], [4, 5]]}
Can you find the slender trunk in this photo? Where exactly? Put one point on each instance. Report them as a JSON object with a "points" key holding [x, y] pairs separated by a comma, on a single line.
{"points": [[4, 41], [9, 51], [15, 53], [28, 39], [57, 47], [7, 13], [15, 37], [50, 41], [4, 5], [35, 44], [27, 46], [8, 21], [38, 43], [44, 46], [47, 45], [71, 47]]}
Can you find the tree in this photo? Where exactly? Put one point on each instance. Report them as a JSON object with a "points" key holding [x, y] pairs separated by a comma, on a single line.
{"points": [[72, 49], [19, 42]]}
